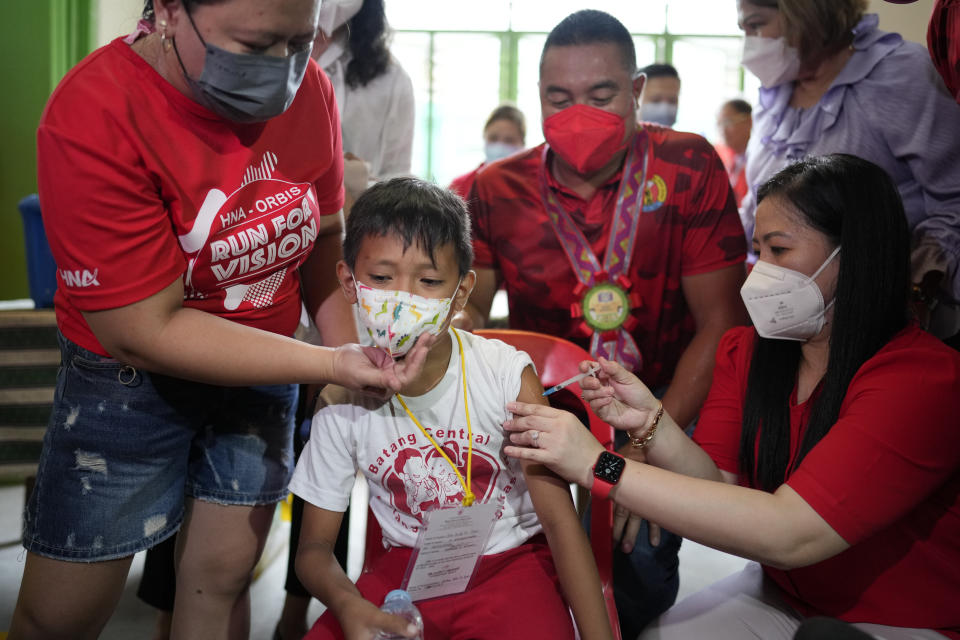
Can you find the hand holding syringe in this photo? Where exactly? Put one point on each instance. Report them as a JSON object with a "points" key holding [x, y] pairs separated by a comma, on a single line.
{"points": [[569, 381]]}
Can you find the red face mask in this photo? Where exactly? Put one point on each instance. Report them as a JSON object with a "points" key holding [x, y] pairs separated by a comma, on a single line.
{"points": [[584, 136]]}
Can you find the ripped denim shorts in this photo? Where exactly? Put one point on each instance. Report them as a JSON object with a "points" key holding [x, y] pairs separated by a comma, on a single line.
{"points": [[124, 447]]}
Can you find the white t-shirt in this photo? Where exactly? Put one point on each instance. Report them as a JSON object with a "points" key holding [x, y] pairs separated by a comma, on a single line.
{"points": [[406, 475]]}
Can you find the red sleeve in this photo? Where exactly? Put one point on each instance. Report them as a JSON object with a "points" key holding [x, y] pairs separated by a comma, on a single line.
{"points": [[718, 428], [713, 235], [329, 186], [478, 204], [103, 215], [462, 185], [897, 439]]}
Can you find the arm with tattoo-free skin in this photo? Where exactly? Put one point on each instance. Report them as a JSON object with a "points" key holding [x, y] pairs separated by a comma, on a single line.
{"points": [[569, 546], [689, 495], [322, 575], [160, 335]]}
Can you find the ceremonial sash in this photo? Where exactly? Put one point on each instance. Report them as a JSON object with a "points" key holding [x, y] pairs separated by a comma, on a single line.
{"points": [[605, 291]]}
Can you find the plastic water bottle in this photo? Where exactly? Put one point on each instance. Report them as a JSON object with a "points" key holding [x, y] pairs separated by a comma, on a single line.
{"points": [[398, 603]]}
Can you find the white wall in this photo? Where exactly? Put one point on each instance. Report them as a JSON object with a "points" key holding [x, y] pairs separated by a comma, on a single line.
{"points": [[909, 20], [116, 18]]}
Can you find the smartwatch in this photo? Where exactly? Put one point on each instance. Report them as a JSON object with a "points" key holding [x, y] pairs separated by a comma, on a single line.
{"points": [[606, 473]]}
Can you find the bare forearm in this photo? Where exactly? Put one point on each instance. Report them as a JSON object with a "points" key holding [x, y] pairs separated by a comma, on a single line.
{"points": [[777, 529], [323, 577], [691, 379], [199, 346], [671, 449], [579, 579], [571, 551]]}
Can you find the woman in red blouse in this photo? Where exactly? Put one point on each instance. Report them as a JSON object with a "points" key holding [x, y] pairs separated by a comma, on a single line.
{"points": [[829, 446]]}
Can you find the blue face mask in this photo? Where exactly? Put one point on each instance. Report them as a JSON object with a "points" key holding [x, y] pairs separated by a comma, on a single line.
{"points": [[663, 113], [244, 87], [496, 150]]}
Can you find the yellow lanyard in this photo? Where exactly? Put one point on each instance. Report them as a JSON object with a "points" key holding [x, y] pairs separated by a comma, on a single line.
{"points": [[468, 496]]}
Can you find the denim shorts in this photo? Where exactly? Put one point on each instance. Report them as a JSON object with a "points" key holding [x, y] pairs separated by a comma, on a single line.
{"points": [[124, 447]]}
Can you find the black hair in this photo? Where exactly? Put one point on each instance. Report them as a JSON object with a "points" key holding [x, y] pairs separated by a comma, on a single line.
{"points": [[149, 16], [660, 70], [368, 41], [415, 210], [590, 26], [855, 204], [739, 105]]}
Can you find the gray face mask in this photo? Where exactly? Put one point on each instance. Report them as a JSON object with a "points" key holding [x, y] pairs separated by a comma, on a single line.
{"points": [[244, 87]]}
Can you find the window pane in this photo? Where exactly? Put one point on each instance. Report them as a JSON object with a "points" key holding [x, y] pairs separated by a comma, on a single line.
{"points": [[412, 51], [714, 17], [710, 74], [433, 15], [646, 50], [646, 16], [529, 49], [466, 89]]}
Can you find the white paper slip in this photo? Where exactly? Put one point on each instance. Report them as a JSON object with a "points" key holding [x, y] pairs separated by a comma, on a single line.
{"points": [[447, 551]]}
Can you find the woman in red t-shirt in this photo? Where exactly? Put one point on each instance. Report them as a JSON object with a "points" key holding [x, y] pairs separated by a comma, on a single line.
{"points": [[188, 175], [829, 446]]}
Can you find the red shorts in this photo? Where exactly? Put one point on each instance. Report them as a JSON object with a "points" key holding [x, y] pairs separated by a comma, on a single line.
{"points": [[515, 594]]}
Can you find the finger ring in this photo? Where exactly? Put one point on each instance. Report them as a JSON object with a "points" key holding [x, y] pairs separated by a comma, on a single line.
{"points": [[535, 438]]}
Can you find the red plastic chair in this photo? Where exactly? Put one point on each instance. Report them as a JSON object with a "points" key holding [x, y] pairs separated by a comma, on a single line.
{"points": [[556, 360]]}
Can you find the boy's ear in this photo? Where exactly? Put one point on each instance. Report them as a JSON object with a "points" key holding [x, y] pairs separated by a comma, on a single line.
{"points": [[463, 292], [348, 284]]}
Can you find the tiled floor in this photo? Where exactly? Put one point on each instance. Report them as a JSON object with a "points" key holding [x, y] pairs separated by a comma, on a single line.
{"points": [[133, 620]]}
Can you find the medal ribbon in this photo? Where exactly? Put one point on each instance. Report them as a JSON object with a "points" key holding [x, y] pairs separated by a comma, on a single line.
{"points": [[468, 496], [616, 344]]}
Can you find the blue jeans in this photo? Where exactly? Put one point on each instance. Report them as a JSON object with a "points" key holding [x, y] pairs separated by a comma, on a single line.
{"points": [[123, 447]]}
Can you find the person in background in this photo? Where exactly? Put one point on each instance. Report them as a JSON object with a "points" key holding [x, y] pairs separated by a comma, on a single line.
{"points": [[374, 93], [659, 295], [189, 214], [734, 122], [504, 134], [801, 459], [661, 94], [833, 82]]}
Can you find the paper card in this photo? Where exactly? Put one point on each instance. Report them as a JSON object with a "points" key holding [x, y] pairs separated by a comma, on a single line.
{"points": [[448, 549]]}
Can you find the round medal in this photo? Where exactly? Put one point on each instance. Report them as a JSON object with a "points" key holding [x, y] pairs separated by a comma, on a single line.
{"points": [[605, 307]]}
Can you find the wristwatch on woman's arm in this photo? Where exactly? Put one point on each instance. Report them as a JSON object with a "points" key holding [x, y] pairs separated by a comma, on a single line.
{"points": [[606, 473]]}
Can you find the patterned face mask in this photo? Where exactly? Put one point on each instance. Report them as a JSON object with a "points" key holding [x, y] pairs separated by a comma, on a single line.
{"points": [[395, 319]]}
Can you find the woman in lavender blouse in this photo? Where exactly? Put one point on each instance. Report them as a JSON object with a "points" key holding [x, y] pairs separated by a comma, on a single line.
{"points": [[833, 82]]}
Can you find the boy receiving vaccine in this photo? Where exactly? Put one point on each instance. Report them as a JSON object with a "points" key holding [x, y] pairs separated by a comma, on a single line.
{"points": [[435, 449]]}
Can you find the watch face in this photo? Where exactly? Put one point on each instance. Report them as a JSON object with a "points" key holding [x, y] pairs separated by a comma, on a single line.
{"points": [[609, 467]]}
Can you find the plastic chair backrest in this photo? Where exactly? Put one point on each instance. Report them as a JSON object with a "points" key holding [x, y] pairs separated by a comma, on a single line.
{"points": [[556, 360]]}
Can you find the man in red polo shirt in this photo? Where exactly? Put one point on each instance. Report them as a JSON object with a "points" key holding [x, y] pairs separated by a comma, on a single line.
{"points": [[648, 276]]}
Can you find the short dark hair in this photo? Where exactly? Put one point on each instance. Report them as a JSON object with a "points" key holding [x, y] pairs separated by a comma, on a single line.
{"points": [[415, 210], [590, 26], [855, 204], [660, 70], [739, 105], [509, 113]]}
